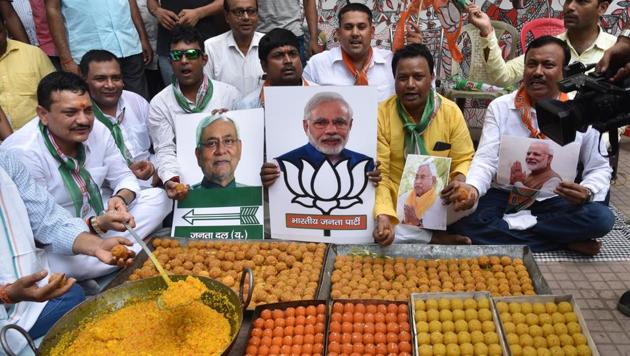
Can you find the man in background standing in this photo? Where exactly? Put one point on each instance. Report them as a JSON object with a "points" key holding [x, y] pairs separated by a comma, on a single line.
{"points": [[196, 13], [112, 25], [287, 14]]}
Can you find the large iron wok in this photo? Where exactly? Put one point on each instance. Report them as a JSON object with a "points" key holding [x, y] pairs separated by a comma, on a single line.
{"points": [[220, 297]]}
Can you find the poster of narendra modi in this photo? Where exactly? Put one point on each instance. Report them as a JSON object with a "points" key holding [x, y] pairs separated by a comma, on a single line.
{"points": [[321, 144], [536, 165]]}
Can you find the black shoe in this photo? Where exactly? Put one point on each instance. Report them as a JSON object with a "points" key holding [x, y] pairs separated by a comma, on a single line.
{"points": [[624, 304]]}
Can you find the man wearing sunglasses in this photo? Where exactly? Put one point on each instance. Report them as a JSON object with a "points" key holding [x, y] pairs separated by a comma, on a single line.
{"points": [[233, 56], [279, 55], [190, 92]]}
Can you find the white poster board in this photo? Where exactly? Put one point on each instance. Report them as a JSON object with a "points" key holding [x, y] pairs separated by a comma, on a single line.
{"points": [[319, 198], [210, 212]]}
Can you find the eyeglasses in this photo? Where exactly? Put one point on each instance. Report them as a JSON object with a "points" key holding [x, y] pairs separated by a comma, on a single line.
{"points": [[213, 144], [240, 12], [176, 55], [323, 123]]}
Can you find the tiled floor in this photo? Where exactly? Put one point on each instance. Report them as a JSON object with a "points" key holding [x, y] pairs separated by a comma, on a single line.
{"points": [[597, 286]]}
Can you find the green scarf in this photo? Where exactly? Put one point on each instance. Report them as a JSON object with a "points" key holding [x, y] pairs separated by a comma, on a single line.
{"points": [[74, 175], [414, 143], [204, 94], [114, 128]]}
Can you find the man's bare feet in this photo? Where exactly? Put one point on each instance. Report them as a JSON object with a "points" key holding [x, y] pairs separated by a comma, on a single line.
{"points": [[442, 238], [588, 247]]}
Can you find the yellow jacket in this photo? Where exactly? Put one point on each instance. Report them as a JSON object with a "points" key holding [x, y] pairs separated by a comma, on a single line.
{"points": [[448, 126], [22, 66]]}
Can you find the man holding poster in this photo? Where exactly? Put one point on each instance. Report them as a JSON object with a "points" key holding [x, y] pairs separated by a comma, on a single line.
{"points": [[417, 121]]}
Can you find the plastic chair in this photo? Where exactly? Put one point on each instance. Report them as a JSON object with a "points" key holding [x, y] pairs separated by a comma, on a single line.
{"points": [[473, 66], [540, 27]]}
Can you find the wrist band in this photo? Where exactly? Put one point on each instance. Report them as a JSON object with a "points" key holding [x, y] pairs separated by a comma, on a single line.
{"points": [[69, 60], [4, 295], [94, 225]]}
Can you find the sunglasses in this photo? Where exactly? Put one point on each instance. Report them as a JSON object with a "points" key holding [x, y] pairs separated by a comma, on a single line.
{"points": [[176, 55]]}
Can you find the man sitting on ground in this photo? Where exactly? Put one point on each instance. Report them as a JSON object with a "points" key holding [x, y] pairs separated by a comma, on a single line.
{"points": [[572, 219], [76, 159], [123, 112], [417, 120], [30, 297]]}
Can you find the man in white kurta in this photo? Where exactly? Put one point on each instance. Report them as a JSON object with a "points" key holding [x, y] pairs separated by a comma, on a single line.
{"points": [[107, 169], [28, 214], [123, 112], [576, 214], [191, 92]]}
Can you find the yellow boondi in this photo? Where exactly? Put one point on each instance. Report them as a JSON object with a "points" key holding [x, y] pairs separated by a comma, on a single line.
{"points": [[182, 293], [144, 329]]}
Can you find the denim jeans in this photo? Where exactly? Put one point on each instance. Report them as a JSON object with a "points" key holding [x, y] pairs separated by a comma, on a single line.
{"points": [[560, 222], [55, 309], [164, 63]]}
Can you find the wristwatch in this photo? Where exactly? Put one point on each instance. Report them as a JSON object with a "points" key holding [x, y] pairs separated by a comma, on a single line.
{"points": [[590, 195]]}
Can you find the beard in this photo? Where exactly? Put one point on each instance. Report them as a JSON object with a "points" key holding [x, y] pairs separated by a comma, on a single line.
{"points": [[327, 150]]}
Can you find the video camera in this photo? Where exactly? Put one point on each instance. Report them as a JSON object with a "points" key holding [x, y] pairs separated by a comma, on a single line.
{"points": [[598, 102]]}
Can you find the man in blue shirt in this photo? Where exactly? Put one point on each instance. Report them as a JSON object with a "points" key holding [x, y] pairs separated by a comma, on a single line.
{"points": [[78, 26]]}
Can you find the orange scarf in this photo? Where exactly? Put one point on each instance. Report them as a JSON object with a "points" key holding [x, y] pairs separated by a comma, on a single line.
{"points": [[421, 203], [261, 96], [360, 76], [524, 104]]}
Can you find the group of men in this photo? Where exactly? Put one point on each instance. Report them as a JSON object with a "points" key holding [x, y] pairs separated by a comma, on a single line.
{"points": [[94, 159]]}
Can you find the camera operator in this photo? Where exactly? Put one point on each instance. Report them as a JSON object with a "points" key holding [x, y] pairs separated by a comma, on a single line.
{"points": [[616, 59]]}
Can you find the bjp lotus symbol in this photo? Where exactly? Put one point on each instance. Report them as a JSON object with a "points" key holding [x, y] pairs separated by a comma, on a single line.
{"points": [[328, 187]]}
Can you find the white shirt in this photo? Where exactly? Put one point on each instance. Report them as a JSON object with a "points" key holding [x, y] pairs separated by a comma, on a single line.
{"points": [[164, 108], [252, 100], [133, 113], [102, 159], [502, 118], [228, 64], [327, 68]]}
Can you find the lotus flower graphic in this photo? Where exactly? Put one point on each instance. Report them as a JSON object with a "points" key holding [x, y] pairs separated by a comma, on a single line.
{"points": [[329, 187]]}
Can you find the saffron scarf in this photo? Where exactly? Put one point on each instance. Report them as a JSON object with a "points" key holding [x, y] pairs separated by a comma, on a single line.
{"points": [[421, 203], [360, 76], [523, 103]]}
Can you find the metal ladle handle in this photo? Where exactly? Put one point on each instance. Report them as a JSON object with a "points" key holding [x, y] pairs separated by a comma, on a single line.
{"points": [[250, 292], [5, 342]]}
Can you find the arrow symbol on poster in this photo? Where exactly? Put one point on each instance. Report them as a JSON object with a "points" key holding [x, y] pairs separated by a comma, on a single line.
{"points": [[247, 216]]}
